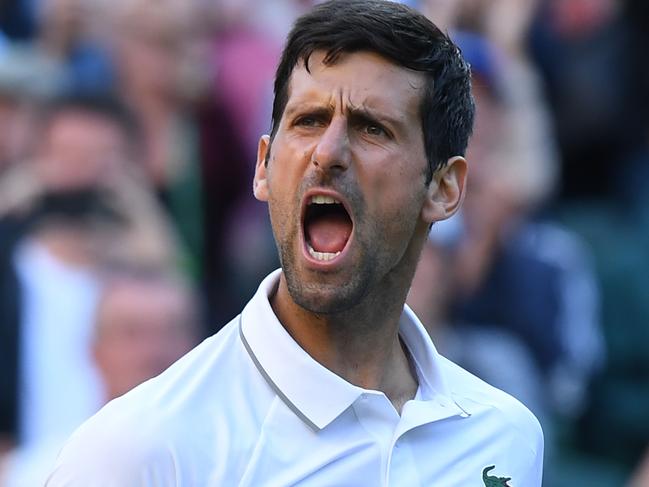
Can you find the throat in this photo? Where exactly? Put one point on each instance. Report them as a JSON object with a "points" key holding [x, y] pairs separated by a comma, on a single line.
{"points": [[328, 233]]}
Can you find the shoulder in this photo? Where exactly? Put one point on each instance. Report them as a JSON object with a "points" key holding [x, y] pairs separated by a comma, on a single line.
{"points": [[495, 411], [112, 453], [144, 433]]}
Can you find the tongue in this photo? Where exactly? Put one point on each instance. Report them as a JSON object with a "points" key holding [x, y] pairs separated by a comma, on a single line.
{"points": [[329, 233]]}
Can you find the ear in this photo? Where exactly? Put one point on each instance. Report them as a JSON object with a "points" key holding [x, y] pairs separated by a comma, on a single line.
{"points": [[446, 191], [260, 182]]}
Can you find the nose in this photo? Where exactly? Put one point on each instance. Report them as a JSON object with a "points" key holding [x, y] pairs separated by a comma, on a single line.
{"points": [[332, 152]]}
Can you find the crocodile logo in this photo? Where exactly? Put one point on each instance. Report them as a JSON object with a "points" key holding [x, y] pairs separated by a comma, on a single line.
{"points": [[491, 481]]}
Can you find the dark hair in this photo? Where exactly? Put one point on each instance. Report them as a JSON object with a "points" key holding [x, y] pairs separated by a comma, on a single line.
{"points": [[403, 36]]}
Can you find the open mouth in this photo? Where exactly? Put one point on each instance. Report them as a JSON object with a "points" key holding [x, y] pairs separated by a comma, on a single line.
{"points": [[327, 227]]}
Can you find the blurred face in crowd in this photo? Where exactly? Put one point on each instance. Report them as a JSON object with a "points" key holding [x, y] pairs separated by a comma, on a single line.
{"points": [[156, 46], [142, 328], [148, 60], [345, 179], [80, 149], [489, 201]]}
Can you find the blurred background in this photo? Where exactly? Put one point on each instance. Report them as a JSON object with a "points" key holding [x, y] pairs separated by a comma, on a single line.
{"points": [[128, 231]]}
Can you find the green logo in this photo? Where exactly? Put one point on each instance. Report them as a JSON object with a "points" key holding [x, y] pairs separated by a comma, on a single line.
{"points": [[491, 481]]}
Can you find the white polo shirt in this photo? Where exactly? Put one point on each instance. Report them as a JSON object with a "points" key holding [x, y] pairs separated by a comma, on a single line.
{"points": [[249, 407]]}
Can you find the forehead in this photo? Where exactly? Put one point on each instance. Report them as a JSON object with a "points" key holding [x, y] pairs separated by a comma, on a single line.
{"points": [[84, 128], [78, 119], [359, 79]]}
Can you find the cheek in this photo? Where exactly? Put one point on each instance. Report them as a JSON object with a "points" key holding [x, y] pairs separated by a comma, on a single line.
{"points": [[282, 170], [397, 194], [395, 170], [285, 173], [281, 213]]}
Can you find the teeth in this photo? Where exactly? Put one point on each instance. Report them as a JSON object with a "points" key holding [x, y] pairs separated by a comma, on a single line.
{"points": [[323, 256], [321, 199]]}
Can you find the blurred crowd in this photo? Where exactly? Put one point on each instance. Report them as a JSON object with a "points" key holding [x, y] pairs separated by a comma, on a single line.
{"points": [[128, 231]]}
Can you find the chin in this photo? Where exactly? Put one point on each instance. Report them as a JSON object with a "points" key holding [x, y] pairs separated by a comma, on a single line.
{"points": [[326, 298]]}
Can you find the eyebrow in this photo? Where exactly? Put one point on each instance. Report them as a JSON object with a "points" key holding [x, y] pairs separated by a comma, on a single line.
{"points": [[363, 113], [355, 112], [311, 108]]}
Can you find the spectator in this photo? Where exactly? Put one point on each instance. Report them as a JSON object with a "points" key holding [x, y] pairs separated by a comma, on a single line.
{"points": [[26, 79], [69, 33], [239, 249], [73, 207], [519, 289], [588, 58], [143, 322], [153, 43]]}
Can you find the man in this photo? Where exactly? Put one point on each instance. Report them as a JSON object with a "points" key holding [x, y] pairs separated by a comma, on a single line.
{"points": [[143, 321], [324, 378], [73, 207], [50, 220]]}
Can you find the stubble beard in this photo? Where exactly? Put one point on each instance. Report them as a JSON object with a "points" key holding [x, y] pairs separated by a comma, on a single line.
{"points": [[323, 293], [374, 272], [315, 292]]}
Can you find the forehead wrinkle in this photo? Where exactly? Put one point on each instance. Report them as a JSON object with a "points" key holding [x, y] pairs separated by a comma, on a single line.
{"points": [[310, 99], [350, 98]]}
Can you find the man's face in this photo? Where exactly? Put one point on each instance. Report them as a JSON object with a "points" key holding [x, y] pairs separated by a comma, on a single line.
{"points": [[345, 180], [80, 150], [143, 328]]}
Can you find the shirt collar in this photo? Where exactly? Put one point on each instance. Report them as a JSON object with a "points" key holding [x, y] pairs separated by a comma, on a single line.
{"points": [[433, 386], [312, 391]]}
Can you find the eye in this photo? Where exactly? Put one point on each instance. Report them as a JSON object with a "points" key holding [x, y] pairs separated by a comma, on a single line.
{"points": [[308, 121], [368, 126], [374, 129]]}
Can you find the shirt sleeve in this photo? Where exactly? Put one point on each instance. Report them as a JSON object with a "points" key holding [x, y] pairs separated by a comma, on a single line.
{"points": [[119, 458], [533, 475]]}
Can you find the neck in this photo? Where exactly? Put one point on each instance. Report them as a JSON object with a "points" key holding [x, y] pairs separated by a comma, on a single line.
{"points": [[362, 344]]}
